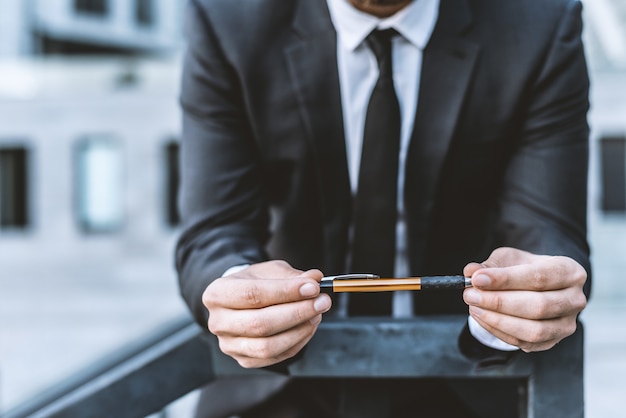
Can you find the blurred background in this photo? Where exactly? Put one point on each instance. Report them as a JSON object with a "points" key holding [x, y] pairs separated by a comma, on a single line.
{"points": [[89, 130]]}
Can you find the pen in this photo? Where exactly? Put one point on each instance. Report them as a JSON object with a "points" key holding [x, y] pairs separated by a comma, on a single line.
{"points": [[374, 283]]}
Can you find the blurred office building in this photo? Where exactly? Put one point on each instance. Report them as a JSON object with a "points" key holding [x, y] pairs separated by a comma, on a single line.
{"points": [[88, 129], [135, 27]]}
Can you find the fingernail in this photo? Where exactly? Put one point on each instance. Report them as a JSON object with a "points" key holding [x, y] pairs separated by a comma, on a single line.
{"points": [[472, 297], [482, 280], [322, 303], [476, 311], [316, 320], [309, 289]]}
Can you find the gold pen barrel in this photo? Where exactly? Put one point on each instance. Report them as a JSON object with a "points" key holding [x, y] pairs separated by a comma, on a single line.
{"points": [[376, 285]]}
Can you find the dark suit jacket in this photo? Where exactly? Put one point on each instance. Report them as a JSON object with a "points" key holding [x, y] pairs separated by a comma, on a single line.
{"points": [[498, 156]]}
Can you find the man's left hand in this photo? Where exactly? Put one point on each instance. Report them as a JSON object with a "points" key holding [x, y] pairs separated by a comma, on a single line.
{"points": [[527, 300]]}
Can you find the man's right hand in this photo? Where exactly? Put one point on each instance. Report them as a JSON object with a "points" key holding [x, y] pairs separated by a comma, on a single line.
{"points": [[265, 313]]}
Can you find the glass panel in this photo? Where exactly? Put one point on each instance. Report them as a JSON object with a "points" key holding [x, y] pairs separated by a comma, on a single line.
{"points": [[100, 184]]}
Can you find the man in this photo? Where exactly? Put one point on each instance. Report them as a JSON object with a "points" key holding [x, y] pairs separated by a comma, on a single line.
{"points": [[491, 101]]}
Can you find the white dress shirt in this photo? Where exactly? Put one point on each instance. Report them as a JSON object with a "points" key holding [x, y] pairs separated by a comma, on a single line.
{"points": [[358, 73]]}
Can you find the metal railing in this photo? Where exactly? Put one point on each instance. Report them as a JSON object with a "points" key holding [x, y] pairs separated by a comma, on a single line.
{"points": [[144, 379], [140, 379]]}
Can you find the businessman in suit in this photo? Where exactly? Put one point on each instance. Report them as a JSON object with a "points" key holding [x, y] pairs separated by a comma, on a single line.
{"points": [[300, 160]]}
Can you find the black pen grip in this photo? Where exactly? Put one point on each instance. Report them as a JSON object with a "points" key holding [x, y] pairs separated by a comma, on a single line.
{"points": [[443, 282], [326, 286]]}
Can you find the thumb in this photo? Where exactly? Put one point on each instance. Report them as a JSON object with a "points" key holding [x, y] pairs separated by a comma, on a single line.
{"points": [[471, 268], [314, 274], [506, 257], [500, 257]]}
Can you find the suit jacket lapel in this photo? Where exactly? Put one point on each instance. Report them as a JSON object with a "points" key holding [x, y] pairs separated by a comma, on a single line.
{"points": [[447, 67], [312, 64]]}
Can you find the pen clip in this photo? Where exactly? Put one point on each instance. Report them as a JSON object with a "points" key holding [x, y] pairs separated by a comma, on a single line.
{"points": [[352, 276]]}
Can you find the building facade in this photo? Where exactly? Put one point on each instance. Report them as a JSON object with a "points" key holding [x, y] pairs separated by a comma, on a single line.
{"points": [[42, 27], [88, 135]]}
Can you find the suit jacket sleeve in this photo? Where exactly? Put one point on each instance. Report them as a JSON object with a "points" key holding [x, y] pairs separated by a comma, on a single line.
{"points": [[221, 201], [543, 207]]}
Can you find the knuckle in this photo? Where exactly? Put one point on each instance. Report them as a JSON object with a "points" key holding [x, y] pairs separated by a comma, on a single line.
{"points": [[537, 280], [301, 315], [258, 327], [569, 267], [497, 302], [580, 302], [213, 325], [580, 275], [500, 251], [209, 297], [543, 309], [570, 329], [535, 335], [260, 349], [252, 296], [282, 264], [225, 347]]}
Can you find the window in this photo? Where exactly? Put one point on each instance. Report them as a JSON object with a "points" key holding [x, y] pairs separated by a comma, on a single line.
{"points": [[144, 12], [172, 179], [100, 184], [92, 7], [613, 166], [13, 187]]}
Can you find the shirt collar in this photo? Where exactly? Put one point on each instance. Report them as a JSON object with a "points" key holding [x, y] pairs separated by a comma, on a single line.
{"points": [[415, 22]]}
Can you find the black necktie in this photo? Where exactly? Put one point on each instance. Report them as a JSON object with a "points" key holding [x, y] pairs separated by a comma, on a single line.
{"points": [[375, 205]]}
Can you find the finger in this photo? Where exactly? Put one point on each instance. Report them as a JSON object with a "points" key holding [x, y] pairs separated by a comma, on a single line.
{"points": [[543, 274], [250, 362], [268, 321], [315, 274], [273, 269], [280, 269], [269, 349], [254, 293], [529, 335], [525, 346], [506, 256], [528, 304], [470, 268]]}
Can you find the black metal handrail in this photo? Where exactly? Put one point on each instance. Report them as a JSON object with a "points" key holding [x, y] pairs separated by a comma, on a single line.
{"points": [[179, 358], [135, 381]]}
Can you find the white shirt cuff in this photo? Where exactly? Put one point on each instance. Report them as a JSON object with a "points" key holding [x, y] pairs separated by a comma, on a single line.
{"points": [[487, 338], [235, 269]]}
